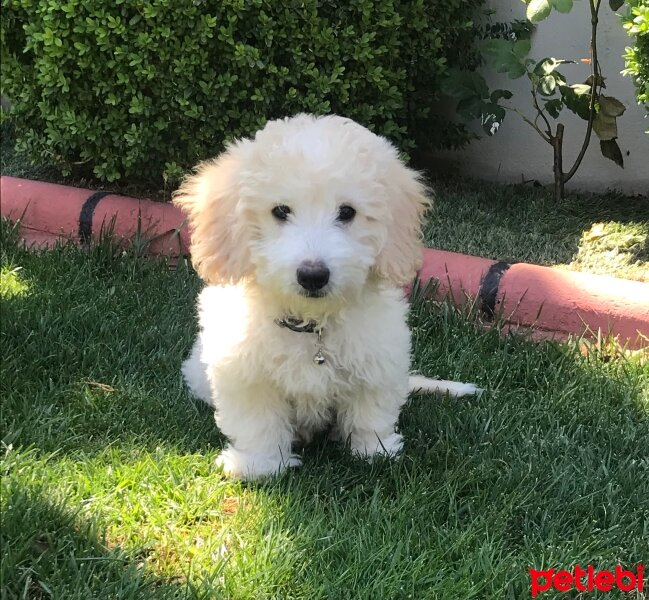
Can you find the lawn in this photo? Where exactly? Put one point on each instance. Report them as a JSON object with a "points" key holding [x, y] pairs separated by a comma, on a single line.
{"points": [[605, 234], [109, 488]]}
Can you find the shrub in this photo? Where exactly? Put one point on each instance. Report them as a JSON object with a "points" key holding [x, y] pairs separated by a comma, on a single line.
{"points": [[133, 89], [636, 57]]}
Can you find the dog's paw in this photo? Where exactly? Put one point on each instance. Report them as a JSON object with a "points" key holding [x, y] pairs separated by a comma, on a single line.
{"points": [[370, 447], [243, 465], [465, 389]]}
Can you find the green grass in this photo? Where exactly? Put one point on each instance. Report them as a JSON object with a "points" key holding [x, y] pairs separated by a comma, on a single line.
{"points": [[109, 488], [606, 234]]}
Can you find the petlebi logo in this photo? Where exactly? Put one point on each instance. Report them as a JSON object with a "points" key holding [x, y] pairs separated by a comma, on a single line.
{"points": [[587, 580]]}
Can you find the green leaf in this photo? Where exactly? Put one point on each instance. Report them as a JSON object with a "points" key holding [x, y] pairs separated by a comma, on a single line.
{"points": [[492, 117], [516, 70], [501, 54], [611, 150], [554, 107], [611, 106], [600, 81], [563, 6], [498, 94], [615, 5], [579, 103], [548, 65], [605, 126], [547, 85], [522, 48], [545, 66], [580, 89], [464, 84], [470, 108], [537, 10], [560, 79]]}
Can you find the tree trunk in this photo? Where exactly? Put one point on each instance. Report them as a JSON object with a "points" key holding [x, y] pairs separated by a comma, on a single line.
{"points": [[557, 145]]}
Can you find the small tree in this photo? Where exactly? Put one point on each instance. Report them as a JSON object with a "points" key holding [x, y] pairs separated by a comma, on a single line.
{"points": [[550, 92]]}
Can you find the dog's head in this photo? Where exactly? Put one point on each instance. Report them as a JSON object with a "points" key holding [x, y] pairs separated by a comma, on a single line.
{"points": [[311, 207]]}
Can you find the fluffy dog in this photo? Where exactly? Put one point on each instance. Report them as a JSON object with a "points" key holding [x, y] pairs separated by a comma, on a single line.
{"points": [[305, 236]]}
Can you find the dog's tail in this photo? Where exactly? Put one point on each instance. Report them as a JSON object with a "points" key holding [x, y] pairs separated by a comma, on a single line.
{"points": [[424, 385]]}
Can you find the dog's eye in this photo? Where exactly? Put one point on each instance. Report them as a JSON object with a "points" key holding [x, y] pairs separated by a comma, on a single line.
{"points": [[281, 212], [346, 213]]}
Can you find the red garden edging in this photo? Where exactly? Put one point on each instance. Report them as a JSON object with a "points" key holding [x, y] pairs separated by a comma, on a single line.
{"points": [[49, 212], [554, 302]]}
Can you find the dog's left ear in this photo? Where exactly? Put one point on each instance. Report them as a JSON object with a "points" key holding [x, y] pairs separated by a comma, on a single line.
{"points": [[210, 199], [408, 199]]}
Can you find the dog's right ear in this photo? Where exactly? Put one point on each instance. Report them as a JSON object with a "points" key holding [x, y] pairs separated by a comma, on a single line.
{"points": [[210, 199]]}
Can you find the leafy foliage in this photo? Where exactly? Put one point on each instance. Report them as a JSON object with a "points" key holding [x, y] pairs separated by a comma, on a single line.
{"points": [[508, 41], [551, 92], [636, 57], [515, 30], [474, 99], [145, 89], [551, 89]]}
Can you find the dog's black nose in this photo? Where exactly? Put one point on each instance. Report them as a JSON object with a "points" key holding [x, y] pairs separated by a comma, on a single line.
{"points": [[312, 276]]}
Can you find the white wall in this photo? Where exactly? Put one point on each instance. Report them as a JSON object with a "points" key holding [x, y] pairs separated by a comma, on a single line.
{"points": [[518, 153]]}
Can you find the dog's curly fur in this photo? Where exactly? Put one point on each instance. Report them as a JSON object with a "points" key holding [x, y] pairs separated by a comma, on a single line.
{"points": [[260, 377]]}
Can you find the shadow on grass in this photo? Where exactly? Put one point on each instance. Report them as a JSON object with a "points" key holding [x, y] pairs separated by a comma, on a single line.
{"points": [[522, 224], [92, 349], [49, 552]]}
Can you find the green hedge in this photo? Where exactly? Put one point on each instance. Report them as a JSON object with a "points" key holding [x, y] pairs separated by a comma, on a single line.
{"points": [[135, 89], [636, 57]]}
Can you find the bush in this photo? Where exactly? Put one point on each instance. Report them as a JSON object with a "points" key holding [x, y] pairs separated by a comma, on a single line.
{"points": [[133, 89], [636, 57]]}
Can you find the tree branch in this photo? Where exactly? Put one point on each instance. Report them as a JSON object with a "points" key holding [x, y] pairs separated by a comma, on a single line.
{"points": [[541, 112], [547, 138], [594, 19]]}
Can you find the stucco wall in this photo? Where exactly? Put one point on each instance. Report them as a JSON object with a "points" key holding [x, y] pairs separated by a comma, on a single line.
{"points": [[518, 153]]}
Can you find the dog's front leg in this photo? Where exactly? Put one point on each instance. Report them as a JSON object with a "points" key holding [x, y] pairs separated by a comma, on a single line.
{"points": [[368, 422], [257, 422]]}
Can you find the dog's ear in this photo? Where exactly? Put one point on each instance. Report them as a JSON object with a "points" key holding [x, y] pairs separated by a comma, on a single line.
{"points": [[408, 200], [210, 199]]}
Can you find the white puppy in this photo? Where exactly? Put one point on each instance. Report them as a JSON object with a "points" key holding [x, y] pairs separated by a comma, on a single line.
{"points": [[305, 236]]}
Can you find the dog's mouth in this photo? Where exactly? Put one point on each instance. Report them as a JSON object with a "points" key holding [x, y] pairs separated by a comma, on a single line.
{"points": [[313, 293]]}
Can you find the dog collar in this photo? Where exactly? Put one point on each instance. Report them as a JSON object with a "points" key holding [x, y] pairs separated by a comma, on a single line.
{"points": [[300, 326], [297, 325]]}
